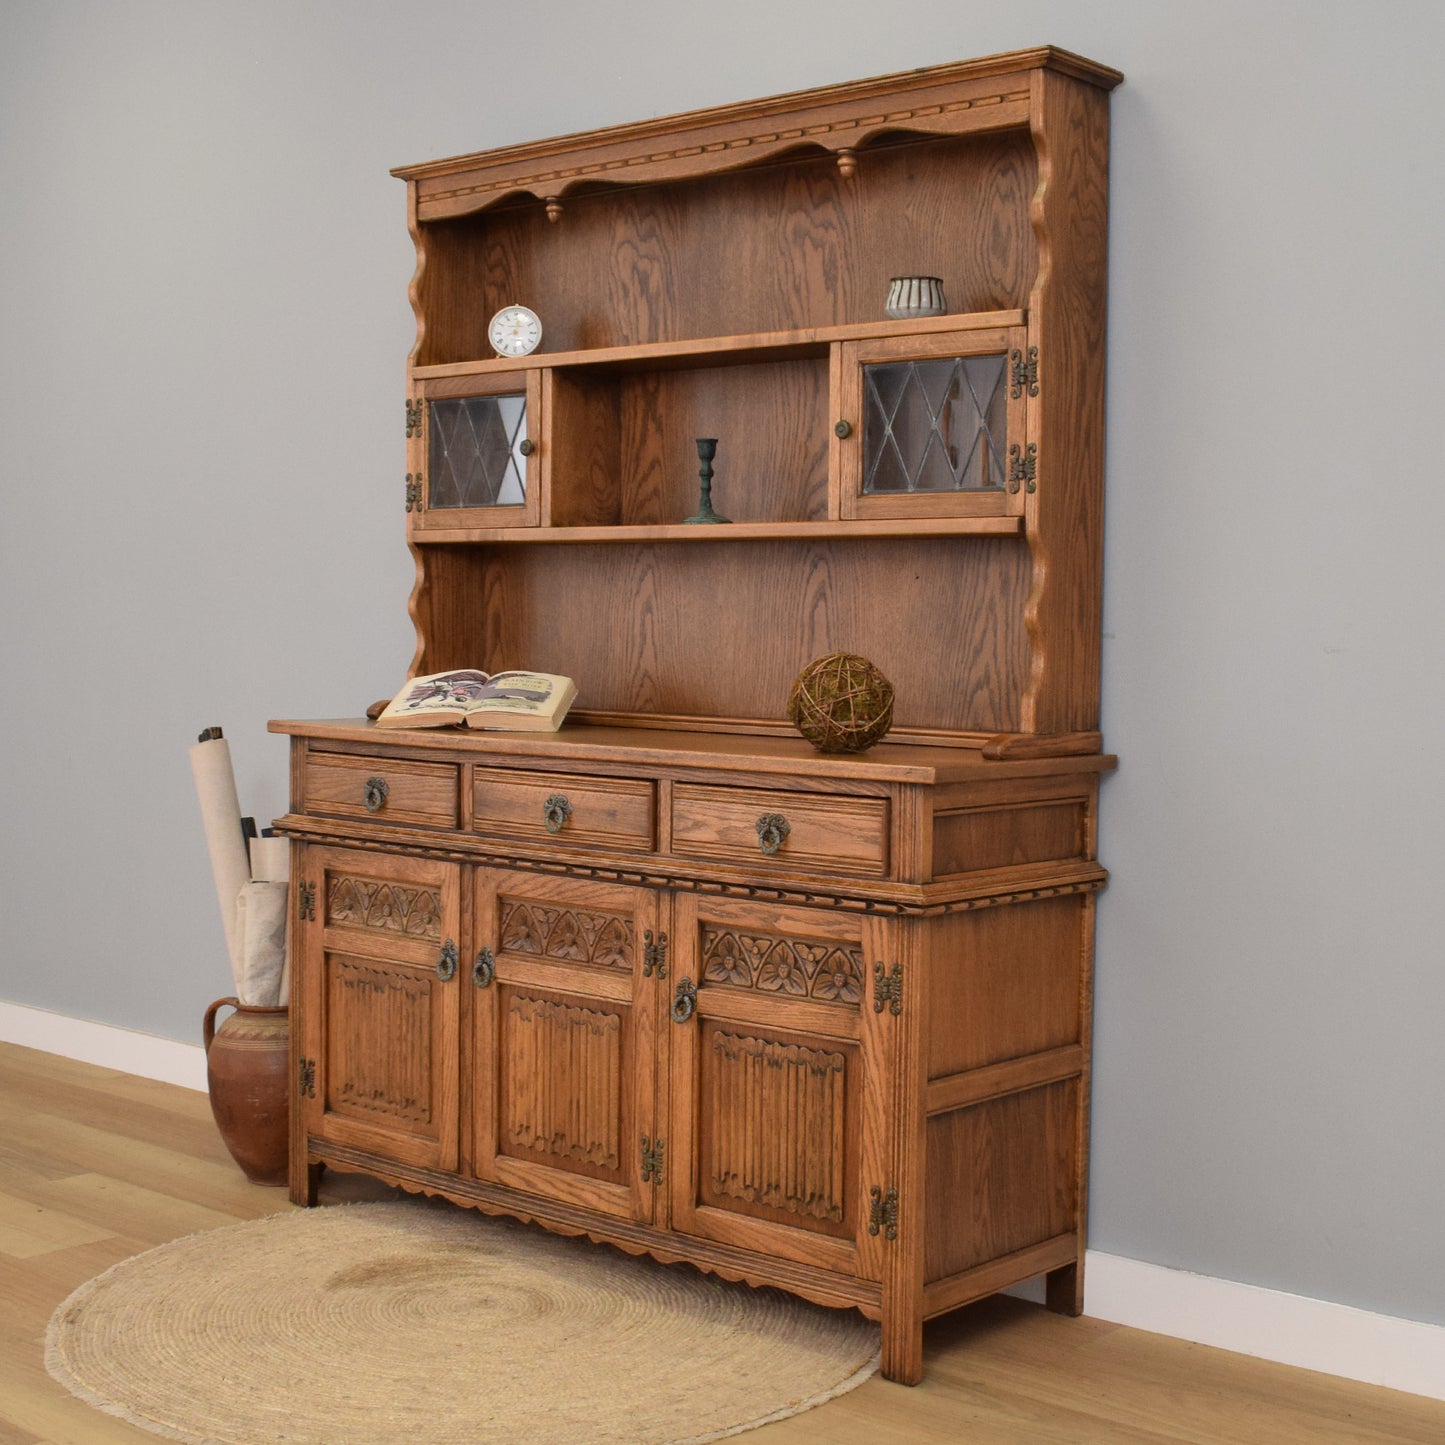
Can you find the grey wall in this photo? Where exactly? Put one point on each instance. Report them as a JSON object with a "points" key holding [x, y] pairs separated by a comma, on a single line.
{"points": [[203, 324]]}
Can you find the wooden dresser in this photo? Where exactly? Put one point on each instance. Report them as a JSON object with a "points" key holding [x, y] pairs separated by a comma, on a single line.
{"points": [[670, 977]]}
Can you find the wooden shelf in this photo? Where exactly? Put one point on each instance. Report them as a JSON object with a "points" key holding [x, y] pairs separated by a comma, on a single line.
{"points": [[725, 350], [735, 531]]}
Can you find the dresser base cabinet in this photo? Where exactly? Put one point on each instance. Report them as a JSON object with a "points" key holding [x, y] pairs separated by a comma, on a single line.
{"points": [[869, 1091]]}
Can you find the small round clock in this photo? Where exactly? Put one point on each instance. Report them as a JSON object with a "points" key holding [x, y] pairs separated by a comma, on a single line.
{"points": [[514, 331]]}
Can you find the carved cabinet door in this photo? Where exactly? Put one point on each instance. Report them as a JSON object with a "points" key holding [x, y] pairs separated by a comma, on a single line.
{"points": [[377, 996], [769, 1049], [565, 986]]}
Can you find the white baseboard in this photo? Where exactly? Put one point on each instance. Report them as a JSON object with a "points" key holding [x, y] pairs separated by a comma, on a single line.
{"points": [[110, 1047], [1269, 1324]]}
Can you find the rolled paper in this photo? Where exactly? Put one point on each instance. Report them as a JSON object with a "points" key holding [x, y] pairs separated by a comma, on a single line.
{"points": [[261, 919], [271, 859], [221, 817]]}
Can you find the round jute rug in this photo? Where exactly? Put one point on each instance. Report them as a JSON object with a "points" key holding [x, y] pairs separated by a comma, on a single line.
{"points": [[411, 1323]]}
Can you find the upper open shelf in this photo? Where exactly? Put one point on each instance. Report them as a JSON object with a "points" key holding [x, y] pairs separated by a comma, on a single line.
{"points": [[810, 342]]}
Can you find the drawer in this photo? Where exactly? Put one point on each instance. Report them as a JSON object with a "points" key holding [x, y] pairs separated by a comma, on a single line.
{"points": [[563, 808], [384, 789], [808, 831]]}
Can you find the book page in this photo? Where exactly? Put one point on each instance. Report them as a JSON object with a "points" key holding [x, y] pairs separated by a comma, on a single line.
{"points": [[438, 692]]}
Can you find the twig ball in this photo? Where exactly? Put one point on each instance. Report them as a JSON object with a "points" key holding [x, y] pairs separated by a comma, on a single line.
{"points": [[841, 703]]}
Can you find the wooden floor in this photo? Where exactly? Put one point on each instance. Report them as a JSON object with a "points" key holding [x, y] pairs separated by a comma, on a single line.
{"points": [[96, 1166]]}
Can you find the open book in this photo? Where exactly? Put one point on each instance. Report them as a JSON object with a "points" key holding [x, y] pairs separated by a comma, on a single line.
{"points": [[514, 701]]}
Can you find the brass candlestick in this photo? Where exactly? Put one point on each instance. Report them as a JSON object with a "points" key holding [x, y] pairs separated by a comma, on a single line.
{"points": [[706, 451]]}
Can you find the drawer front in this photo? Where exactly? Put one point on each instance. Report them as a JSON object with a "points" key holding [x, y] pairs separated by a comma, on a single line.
{"points": [[804, 831], [564, 808], [386, 790]]}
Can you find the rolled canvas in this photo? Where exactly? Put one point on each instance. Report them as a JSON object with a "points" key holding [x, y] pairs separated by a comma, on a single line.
{"points": [[221, 816]]}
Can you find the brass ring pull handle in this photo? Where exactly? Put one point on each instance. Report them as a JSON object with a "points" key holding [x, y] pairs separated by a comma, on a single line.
{"points": [[555, 812], [484, 970], [375, 793], [684, 1001], [772, 829], [526, 446], [447, 963]]}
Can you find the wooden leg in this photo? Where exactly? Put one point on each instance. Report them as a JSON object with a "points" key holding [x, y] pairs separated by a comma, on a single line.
{"points": [[902, 1344], [305, 1184], [1064, 1289]]}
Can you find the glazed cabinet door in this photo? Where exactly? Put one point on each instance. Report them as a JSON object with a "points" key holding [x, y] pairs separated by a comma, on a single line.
{"points": [[935, 426], [378, 990], [565, 998], [473, 450], [771, 1060]]}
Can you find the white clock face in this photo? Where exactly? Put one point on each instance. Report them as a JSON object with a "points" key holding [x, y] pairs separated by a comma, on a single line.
{"points": [[514, 331]]}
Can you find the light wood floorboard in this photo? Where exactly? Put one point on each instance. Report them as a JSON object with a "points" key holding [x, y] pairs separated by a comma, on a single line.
{"points": [[96, 1166]]}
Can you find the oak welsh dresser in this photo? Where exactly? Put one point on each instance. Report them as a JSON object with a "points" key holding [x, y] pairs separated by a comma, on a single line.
{"points": [[669, 977]]}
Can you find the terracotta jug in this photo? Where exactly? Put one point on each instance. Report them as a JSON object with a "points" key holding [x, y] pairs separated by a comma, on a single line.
{"points": [[248, 1067]]}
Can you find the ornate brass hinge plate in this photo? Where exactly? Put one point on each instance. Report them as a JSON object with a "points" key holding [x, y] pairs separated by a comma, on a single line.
{"points": [[1023, 467], [413, 492], [1025, 373], [415, 410], [652, 1159], [883, 1212], [888, 989], [306, 1078], [306, 902], [654, 954]]}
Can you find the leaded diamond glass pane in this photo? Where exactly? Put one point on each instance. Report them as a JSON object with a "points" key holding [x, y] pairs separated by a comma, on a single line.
{"points": [[475, 459], [934, 426]]}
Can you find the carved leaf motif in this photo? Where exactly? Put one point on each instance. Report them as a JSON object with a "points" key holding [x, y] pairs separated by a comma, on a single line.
{"points": [[784, 970], [570, 935], [384, 907], [773, 963], [724, 961]]}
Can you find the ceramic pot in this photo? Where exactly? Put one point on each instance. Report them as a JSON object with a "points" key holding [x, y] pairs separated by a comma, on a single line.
{"points": [[914, 296], [248, 1068]]}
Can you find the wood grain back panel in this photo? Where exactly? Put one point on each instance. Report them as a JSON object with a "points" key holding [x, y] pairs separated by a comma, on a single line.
{"points": [[760, 249], [722, 630]]}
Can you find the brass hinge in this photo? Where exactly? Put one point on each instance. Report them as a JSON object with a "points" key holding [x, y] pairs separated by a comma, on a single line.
{"points": [[652, 1159], [888, 989], [306, 1081], [1023, 467], [883, 1212], [413, 492], [306, 901], [654, 955], [414, 414], [1025, 373]]}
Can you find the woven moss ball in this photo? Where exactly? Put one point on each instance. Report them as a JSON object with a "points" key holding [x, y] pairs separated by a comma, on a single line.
{"points": [[841, 703]]}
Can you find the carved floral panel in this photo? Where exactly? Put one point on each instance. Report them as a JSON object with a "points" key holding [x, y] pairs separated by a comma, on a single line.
{"points": [[568, 935], [772, 963], [383, 907]]}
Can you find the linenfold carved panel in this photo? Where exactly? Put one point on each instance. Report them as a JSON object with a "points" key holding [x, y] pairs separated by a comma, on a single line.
{"points": [[383, 906], [569, 935], [771, 963], [564, 1069], [777, 1125], [379, 1057]]}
